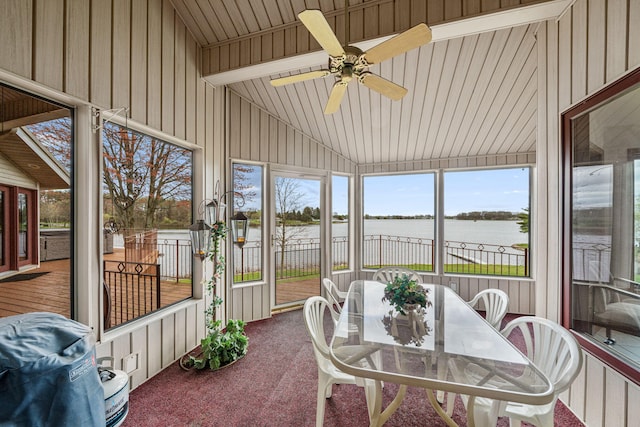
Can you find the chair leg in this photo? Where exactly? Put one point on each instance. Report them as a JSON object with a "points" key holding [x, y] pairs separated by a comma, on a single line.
{"points": [[324, 388]]}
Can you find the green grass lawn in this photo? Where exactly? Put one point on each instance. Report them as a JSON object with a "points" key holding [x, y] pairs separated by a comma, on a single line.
{"points": [[477, 269]]}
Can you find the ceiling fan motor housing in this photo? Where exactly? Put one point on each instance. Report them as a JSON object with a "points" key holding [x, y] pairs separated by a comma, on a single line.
{"points": [[349, 63]]}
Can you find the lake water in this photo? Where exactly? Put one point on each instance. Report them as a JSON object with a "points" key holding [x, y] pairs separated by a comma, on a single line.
{"points": [[489, 232]]}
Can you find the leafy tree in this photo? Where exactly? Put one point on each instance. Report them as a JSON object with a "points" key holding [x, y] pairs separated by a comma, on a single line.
{"points": [[523, 220], [55, 208], [288, 200], [140, 173], [55, 135]]}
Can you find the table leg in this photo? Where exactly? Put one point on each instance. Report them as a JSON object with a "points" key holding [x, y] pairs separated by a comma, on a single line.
{"points": [[373, 393], [431, 395]]}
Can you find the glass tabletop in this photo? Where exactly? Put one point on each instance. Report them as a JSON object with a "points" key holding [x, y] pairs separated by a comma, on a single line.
{"points": [[446, 346]]}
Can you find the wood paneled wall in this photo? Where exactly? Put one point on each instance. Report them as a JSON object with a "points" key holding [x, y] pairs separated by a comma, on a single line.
{"points": [[256, 135], [365, 23], [113, 54], [594, 43]]}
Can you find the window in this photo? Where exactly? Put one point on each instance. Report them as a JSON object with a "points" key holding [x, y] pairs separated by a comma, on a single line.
{"points": [[340, 220], [147, 199], [248, 260], [398, 226], [486, 225], [36, 224], [601, 275]]}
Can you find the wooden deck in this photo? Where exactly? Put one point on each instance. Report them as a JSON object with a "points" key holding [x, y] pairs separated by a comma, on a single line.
{"points": [[47, 288], [287, 292]]}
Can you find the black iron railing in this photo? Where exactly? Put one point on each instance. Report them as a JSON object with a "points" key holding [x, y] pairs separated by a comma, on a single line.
{"points": [[132, 290], [175, 259]]}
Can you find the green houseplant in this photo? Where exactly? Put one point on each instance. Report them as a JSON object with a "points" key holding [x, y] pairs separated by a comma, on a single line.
{"points": [[220, 347], [405, 294]]}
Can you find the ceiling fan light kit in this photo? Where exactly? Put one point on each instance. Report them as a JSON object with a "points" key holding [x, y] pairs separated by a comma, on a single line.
{"points": [[349, 62]]}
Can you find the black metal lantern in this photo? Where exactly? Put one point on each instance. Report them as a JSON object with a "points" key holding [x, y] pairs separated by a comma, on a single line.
{"points": [[200, 233], [239, 228]]}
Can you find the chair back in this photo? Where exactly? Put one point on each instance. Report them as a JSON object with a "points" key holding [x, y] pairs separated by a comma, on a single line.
{"points": [[313, 313], [496, 303], [388, 274], [332, 296], [552, 348]]}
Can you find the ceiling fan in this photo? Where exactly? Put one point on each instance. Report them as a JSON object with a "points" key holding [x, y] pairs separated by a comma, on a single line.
{"points": [[349, 62]]}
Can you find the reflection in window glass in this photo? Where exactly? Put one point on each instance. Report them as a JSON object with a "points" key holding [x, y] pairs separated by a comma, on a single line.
{"points": [[486, 226], [23, 230], [248, 260], [36, 229], [398, 226], [3, 262], [340, 222], [605, 229], [147, 193]]}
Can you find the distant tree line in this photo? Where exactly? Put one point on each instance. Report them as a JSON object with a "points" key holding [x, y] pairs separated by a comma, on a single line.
{"points": [[307, 214], [367, 216], [486, 215]]}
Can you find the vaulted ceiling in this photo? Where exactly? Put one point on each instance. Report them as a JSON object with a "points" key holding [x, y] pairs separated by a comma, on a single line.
{"points": [[471, 91]]}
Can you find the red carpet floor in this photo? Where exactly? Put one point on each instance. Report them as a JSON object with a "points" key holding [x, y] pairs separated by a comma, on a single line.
{"points": [[275, 385]]}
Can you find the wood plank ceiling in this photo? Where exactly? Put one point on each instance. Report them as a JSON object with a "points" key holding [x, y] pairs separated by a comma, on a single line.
{"points": [[471, 95]]}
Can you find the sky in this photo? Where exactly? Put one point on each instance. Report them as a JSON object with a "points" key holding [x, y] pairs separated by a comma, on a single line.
{"points": [[414, 194]]}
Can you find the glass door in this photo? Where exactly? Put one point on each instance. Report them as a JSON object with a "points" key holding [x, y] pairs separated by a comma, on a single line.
{"points": [[296, 237]]}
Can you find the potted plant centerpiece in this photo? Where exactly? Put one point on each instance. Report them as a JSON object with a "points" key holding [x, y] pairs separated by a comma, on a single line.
{"points": [[405, 294], [220, 347], [406, 323]]}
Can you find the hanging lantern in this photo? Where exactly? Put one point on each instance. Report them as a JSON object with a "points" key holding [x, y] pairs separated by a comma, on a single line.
{"points": [[214, 211], [239, 228], [200, 238]]}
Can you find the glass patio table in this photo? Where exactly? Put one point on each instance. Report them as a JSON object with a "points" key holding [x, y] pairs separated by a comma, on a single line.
{"points": [[447, 347]]}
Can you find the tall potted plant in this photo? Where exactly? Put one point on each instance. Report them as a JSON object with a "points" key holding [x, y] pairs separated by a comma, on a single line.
{"points": [[220, 347]]}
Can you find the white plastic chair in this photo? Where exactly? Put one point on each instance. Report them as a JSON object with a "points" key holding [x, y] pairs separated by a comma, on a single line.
{"points": [[334, 295], [496, 303], [556, 352], [328, 374], [388, 274]]}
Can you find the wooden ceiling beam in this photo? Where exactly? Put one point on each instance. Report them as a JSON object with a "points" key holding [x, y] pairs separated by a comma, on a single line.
{"points": [[289, 47]]}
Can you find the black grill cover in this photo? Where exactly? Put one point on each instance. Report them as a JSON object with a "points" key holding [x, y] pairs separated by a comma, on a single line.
{"points": [[48, 373]]}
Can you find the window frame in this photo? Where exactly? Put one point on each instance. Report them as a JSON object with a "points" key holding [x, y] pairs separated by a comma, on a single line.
{"points": [[350, 224], [436, 179], [529, 265], [263, 233], [596, 100], [195, 151]]}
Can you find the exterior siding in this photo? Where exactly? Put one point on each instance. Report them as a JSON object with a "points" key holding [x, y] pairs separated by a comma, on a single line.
{"points": [[112, 54], [594, 43], [11, 175]]}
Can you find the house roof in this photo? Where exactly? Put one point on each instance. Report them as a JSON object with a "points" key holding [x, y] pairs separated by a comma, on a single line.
{"points": [[471, 92], [23, 149]]}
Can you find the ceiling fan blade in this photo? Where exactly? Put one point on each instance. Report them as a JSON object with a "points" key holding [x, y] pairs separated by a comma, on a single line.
{"points": [[319, 28], [382, 86], [299, 77], [337, 93], [403, 42]]}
